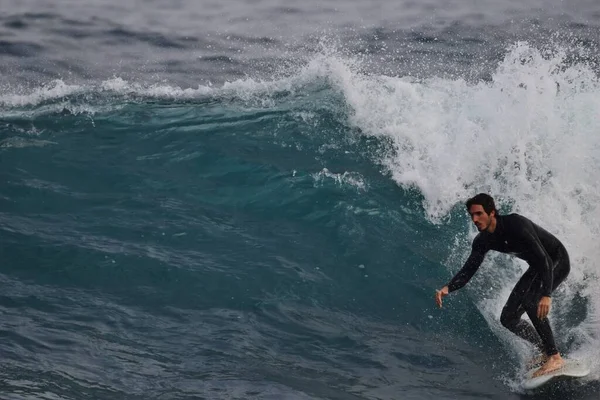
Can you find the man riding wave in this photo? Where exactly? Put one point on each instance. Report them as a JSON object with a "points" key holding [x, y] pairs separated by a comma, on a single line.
{"points": [[548, 266]]}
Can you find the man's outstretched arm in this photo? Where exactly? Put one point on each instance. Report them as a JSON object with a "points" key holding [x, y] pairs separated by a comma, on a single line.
{"points": [[465, 274]]}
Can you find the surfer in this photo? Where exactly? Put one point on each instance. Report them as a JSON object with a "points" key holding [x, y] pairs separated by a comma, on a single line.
{"points": [[548, 266]]}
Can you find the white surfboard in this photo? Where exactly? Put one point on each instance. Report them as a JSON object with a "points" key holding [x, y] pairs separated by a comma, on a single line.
{"points": [[571, 369]]}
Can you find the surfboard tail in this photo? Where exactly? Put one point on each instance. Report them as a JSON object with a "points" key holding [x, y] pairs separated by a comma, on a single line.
{"points": [[571, 369]]}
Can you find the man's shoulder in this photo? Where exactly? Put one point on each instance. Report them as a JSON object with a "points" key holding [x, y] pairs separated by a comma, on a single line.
{"points": [[518, 225], [481, 241], [514, 218]]}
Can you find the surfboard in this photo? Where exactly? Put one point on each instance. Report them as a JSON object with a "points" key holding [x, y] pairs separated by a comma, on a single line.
{"points": [[571, 369]]}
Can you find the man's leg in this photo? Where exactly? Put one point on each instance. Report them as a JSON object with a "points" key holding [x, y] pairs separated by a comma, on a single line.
{"points": [[514, 309], [542, 326]]}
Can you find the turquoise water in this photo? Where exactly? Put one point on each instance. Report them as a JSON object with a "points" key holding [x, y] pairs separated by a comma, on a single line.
{"points": [[280, 233]]}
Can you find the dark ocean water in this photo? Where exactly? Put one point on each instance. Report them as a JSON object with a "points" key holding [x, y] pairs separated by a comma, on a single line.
{"points": [[258, 199]]}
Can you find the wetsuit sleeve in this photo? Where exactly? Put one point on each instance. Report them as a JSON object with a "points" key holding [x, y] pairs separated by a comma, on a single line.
{"points": [[470, 267], [540, 260]]}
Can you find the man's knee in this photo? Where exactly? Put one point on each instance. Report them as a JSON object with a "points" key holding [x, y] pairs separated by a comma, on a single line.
{"points": [[530, 304], [509, 319]]}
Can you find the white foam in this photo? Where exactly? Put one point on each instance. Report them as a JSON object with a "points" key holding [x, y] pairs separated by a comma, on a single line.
{"points": [[19, 142], [324, 67], [122, 87], [341, 179], [529, 137], [57, 91], [53, 90]]}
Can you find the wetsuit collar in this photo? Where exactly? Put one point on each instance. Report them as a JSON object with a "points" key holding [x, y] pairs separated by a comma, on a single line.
{"points": [[499, 225]]}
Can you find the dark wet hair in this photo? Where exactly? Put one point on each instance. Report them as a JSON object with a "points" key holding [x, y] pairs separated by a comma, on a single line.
{"points": [[484, 200]]}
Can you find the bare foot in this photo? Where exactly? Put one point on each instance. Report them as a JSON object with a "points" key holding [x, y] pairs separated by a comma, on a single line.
{"points": [[552, 364], [536, 361]]}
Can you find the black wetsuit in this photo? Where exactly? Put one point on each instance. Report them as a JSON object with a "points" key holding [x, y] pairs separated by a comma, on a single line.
{"points": [[548, 266]]}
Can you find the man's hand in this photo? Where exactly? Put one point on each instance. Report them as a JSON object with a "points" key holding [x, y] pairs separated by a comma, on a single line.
{"points": [[544, 307], [439, 294]]}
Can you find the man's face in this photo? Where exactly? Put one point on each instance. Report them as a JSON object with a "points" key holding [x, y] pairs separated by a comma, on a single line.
{"points": [[479, 217]]}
